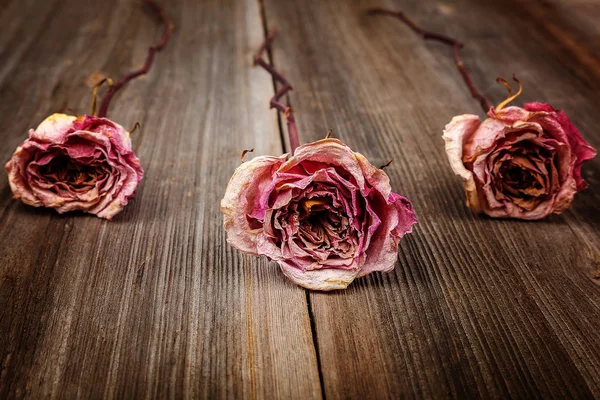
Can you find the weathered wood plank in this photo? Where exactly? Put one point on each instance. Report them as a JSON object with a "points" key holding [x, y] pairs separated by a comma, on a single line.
{"points": [[155, 303], [476, 307], [571, 24]]}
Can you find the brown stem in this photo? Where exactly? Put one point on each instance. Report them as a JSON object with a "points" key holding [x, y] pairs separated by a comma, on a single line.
{"points": [[152, 50], [456, 46], [275, 100]]}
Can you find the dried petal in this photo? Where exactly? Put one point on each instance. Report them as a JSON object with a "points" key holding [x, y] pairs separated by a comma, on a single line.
{"points": [[456, 134], [246, 185]]}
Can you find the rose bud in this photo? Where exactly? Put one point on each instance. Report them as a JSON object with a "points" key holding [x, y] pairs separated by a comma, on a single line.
{"points": [[69, 163], [325, 214], [520, 162]]}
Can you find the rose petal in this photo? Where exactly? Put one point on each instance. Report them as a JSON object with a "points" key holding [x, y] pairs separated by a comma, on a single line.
{"points": [[331, 152], [53, 129], [325, 279], [397, 219], [248, 182], [456, 134]]}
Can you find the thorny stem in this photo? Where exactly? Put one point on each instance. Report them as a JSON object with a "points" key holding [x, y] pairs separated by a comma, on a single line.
{"points": [[246, 152], [275, 100], [387, 164], [152, 50], [456, 46]]}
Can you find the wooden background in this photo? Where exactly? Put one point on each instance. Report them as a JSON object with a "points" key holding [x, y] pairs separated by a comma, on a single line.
{"points": [[156, 304]]}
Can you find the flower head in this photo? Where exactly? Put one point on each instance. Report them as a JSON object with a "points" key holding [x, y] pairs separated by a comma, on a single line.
{"points": [[325, 214], [520, 162], [70, 163]]}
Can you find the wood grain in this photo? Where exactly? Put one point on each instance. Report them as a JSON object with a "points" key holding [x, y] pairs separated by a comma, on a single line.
{"points": [[154, 304], [476, 307]]}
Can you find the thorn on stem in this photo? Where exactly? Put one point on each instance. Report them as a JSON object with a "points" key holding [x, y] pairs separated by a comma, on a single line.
{"points": [[386, 164], [135, 127], [246, 152]]}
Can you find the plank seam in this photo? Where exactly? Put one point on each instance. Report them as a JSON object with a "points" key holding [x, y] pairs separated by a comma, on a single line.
{"points": [[313, 329]]}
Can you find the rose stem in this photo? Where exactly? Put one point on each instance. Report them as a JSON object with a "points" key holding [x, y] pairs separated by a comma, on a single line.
{"points": [[456, 46], [168, 30], [275, 100]]}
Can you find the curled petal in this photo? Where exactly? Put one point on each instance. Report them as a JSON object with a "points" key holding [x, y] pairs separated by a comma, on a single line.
{"points": [[376, 177], [484, 138], [17, 177], [324, 279], [128, 180], [456, 134], [53, 129], [249, 181], [397, 219], [509, 114], [329, 151], [119, 136]]}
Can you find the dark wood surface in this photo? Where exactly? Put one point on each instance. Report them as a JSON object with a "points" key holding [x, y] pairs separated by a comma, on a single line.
{"points": [[156, 304]]}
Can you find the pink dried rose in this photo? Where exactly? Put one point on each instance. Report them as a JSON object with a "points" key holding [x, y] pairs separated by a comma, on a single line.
{"points": [[70, 163], [520, 162], [84, 163], [325, 214]]}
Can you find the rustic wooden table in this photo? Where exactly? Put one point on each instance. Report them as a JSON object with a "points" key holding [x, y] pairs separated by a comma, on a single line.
{"points": [[156, 304]]}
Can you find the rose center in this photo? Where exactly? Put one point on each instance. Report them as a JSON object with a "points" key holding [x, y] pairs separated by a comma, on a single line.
{"points": [[518, 176], [321, 225], [524, 175], [65, 169]]}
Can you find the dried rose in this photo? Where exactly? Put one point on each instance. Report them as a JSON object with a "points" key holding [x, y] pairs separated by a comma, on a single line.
{"points": [[69, 163], [326, 215], [520, 162]]}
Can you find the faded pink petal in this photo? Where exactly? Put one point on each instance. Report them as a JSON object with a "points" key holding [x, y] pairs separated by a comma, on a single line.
{"points": [[52, 129], [456, 134], [326, 215], [319, 279], [70, 164], [331, 152], [397, 220], [246, 185]]}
